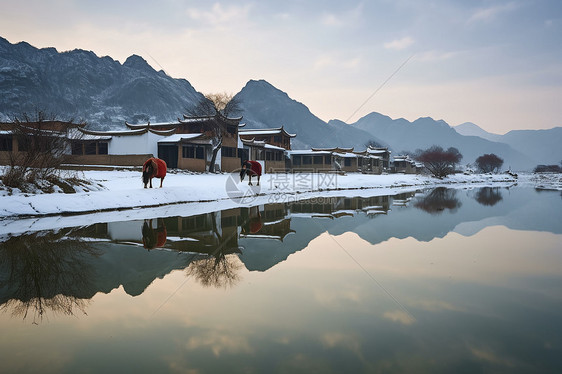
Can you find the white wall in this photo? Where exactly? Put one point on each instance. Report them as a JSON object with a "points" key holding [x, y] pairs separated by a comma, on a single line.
{"points": [[134, 144]]}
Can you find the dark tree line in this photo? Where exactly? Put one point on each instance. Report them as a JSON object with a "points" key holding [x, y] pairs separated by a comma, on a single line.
{"points": [[489, 163]]}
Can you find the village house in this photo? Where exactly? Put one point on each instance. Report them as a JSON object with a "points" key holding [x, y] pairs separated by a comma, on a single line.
{"points": [[191, 144], [404, 164], [276, 136], [338, 159], [268, 146], [12, 133]]}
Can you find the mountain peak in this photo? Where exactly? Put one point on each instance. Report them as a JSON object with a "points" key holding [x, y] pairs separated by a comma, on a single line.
{"points": [[138, 63]]}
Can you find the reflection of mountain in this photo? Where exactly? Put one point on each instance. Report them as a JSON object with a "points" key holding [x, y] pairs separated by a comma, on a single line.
{"points": [[58, 272], [65, 268]]}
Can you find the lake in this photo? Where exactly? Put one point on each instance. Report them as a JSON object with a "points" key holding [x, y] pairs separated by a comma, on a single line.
{"points": [[435, 281]]}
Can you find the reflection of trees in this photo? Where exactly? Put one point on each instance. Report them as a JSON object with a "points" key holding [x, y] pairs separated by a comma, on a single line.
{"points": [[489, 196], [438, 200], [43, 271], [218, 270]]}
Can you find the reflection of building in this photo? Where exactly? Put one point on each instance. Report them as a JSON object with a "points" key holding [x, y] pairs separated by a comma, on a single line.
{"points": [[273, 222], [334, 207]]}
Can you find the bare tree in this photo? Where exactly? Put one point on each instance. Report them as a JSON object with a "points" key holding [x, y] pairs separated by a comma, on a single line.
{"points": [[218, 105], [489, 163], [41, 149], [440, 162]]}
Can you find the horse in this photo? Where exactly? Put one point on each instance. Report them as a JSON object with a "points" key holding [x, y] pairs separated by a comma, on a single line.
{"points": [[250, 168], [153, 168]]}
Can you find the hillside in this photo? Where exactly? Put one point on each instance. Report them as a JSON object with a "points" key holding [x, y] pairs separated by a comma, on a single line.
{"points": [[424, 132], [78, 84]]}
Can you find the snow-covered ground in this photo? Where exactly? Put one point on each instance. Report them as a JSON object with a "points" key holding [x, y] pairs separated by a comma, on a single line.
{"points": [[117, 190], [120, 196]]}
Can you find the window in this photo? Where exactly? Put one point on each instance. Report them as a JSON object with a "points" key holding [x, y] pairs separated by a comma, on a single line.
{"points": [[347, 161], [90, 148], [228, 152], [278, 156], [24, 143], [317, 160], [188, 152], [328, 159], [307, 160], [102, 148], [6, 143], [193, 151], [200, 152], [77, 148], [269, 155], [297, 160], [277, 139]]}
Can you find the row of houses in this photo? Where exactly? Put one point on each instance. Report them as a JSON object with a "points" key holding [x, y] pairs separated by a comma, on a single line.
{"points": [[193, 143]]}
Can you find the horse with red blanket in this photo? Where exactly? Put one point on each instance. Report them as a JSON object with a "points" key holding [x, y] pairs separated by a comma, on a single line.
{"points": [[153, 168], [250, 168]]}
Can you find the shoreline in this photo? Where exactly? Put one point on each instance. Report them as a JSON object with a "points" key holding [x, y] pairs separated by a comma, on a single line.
{"points": [[123, 197]]}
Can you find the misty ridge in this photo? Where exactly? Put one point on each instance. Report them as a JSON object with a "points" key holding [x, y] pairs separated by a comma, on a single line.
{"points": [[105, 93]]}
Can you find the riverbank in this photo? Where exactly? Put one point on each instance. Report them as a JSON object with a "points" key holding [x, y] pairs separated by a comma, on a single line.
{"points": [[122, 190]]}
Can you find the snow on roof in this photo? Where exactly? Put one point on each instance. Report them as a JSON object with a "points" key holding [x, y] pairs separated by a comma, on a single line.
{"points": [[269, 146], [93, 137], [273, 131], [347, 155], [308, 152], [179, 137], [377, 151]]}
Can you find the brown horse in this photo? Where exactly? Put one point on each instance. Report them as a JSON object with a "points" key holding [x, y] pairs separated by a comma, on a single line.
{"points": [[153, 168], [250, 168]]}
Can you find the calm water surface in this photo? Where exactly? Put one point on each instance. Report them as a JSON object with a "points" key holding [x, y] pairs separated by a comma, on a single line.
{"points": [[439, 281]]}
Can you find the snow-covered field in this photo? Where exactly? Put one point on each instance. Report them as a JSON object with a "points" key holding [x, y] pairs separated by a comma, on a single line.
{"points": [[120, 196], [124, 190]]}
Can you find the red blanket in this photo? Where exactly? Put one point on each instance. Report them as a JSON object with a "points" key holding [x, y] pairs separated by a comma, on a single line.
{"points": [[256, 167], [160, 171]]}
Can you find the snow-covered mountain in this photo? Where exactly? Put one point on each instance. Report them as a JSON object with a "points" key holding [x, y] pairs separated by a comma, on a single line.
{"points": [[264, 106], [472, 129], [424, 132], [81, 85], [105, 93], [542, 146]]}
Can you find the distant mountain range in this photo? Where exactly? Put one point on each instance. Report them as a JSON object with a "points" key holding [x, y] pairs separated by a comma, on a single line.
{"points": [[105, 93], [80, 85]]}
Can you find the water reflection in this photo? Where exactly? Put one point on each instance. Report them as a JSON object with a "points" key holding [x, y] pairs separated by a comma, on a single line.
{"points": [[489, 196], [151, 237], [44, 271], [438, 200], [61, 270]]}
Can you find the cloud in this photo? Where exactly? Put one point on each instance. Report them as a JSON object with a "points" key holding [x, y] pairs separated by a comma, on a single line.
{"points": [[399, 44], [433, 55], [219, 15], [340, 62], [348, 18], [400, 317], [490, 13]]}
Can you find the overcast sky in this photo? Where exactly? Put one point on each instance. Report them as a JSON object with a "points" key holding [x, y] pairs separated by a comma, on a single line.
{"points": [[495, 63]]}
